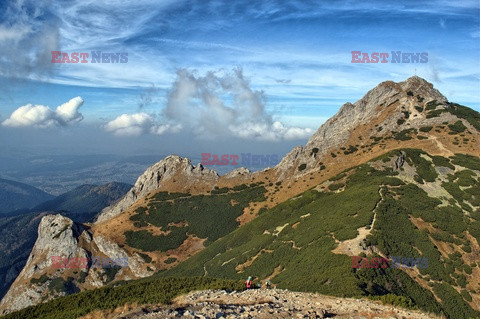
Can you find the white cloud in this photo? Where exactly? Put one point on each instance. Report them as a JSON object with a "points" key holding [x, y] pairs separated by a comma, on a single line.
{"points": [[134, 124], [223, 103], [138, 124], [43, 116], [219, 104], [273, 132]]}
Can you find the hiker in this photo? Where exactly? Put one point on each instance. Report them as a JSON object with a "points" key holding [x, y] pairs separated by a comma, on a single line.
{"points": [[248, 282], [268, 284]]}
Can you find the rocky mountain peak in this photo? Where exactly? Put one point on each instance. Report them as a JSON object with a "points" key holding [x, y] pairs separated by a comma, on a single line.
{"points": [[381, 106], [172, 169]]}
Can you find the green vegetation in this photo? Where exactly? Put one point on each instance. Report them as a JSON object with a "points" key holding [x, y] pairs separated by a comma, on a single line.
{"points": [[60, 285], [467, 161], [301, 256], [426, 129], [404, 135], [410, 93], [302, 167], [43, 279], [81, 278], [419, 108], [463, 112], [144, 291], [170, 260], [334, 187], [338, 177], [146, 241], [111, 273], [145, 257], [217, 190], [304, 254], [457, 128], [351, 149], [434, 113], [400, 121], [425, 170], [453, 303], [208, 217], [432, 105], [442, 161]]}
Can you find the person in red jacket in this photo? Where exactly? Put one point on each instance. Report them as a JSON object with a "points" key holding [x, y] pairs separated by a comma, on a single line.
{"points": [[249, 282]]}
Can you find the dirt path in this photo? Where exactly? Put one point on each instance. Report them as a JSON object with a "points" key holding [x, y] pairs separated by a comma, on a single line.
{"points": [[352, 247]]}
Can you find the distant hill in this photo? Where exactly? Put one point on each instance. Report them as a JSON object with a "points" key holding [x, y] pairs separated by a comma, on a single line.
{"points": [[86, 198], [16, 195]]}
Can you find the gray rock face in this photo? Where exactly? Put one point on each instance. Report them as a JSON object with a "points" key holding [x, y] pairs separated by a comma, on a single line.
{"points": [[336, 131], [57, 236], [155, 177], [238, 172], [113, 251]]}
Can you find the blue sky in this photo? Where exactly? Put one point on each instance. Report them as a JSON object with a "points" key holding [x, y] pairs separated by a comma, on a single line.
{"points": [[255, 71]]}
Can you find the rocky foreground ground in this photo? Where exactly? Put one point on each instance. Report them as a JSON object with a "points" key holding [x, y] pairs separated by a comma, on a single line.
{"points": [[274, 303]]}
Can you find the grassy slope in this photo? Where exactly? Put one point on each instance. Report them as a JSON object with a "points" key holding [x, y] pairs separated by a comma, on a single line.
{"points": [[209, 217], [319, 217]]}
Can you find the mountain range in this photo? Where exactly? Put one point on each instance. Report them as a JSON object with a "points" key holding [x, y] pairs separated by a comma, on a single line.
{"points": [[393, 176]]}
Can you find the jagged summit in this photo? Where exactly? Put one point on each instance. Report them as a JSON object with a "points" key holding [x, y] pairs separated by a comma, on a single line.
{"points": [[173, 171], [389, 107]]}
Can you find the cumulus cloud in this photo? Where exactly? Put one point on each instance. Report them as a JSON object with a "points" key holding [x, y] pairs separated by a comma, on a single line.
{"points": [[42, 116], [217, 104], [138, 124], [224, 103]]}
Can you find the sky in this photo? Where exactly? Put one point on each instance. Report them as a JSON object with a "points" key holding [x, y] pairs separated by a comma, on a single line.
{"points": [[213, 76]]}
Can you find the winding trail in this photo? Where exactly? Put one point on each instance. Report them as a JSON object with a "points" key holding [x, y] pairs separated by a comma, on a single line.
{"points": [[352, 247]]}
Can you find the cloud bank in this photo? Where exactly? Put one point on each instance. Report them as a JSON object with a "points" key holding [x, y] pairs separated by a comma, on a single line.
{"points": [[138, 124], [42, 116], [214, 105]]}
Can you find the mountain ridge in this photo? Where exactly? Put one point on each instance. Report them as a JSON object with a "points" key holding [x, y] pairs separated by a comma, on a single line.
{"points": [[408, 115]]}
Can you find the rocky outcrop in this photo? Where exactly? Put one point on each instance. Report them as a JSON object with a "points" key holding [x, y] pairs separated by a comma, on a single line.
{"points": [[158, 175], [384, 104], [113, 251], [57, 236], [238, 172]]}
